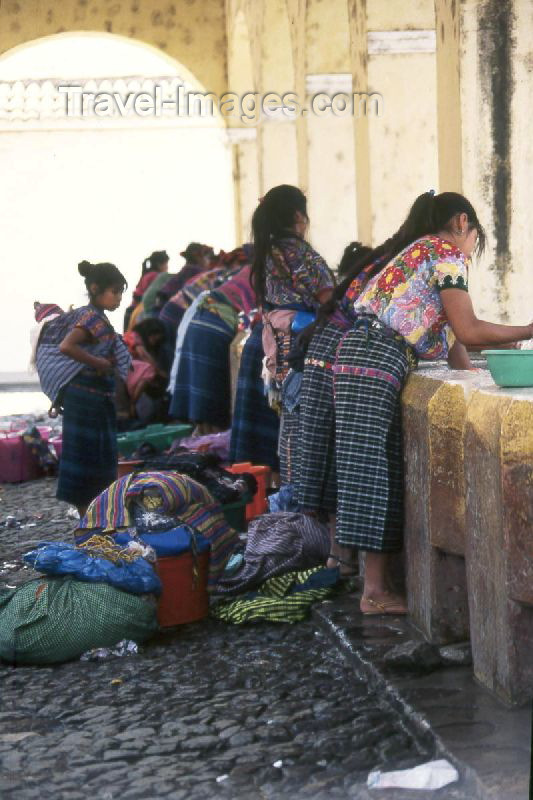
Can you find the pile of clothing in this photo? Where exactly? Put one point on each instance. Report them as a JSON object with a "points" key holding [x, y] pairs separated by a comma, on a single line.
{"points": [[224, 486], [281, 572], [171, 500], [91, 596], [104, 588]]}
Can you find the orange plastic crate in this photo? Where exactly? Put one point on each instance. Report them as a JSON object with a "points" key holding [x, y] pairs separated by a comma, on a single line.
{"points": [[258, 504]]}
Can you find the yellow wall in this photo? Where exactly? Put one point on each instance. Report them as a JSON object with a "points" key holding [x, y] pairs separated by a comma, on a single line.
{"points": [[496, 85], [447, 122], [390, 15], [192, 32], [403, 142], [328, 36]]}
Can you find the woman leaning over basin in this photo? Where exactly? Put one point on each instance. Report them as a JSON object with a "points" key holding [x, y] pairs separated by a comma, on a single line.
{"points": [[411, 304]]}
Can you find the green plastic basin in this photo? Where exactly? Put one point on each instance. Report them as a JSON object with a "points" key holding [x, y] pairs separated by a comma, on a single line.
{"points": [[160, 436], [510, 367]]}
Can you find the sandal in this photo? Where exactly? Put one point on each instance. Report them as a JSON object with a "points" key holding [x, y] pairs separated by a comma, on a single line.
{"points": [[351, 572], [380, 607]]}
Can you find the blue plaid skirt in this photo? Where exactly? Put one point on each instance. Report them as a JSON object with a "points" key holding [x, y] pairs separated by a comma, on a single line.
{"points": [[255, 428], [316, 480], [89, 456], [368, 376], [202, 392]]}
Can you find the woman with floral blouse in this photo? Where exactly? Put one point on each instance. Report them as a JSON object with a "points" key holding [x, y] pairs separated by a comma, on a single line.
{"points": [[413, 304]]}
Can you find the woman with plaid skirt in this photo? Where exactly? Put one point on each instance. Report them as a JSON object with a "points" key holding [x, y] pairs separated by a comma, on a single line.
{"points": [[316, 480], [288, 277], [413, 304]]}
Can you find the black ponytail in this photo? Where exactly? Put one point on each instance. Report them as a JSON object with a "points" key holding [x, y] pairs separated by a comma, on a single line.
{"points": [[153, 262], [273, 218], [104, 276], [352, 259], [429, 214], [352, 262]]}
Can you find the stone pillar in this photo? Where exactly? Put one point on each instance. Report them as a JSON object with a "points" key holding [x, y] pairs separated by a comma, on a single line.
{"points": [[434, 411], [279, 155], [296, 10], [499, 550], [484, 82], [246, 179], [331, 195], [277, 142], [447, 26], [359, 61]]}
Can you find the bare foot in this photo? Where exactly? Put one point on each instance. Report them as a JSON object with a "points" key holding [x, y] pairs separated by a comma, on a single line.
{"points": [[386, 603]]}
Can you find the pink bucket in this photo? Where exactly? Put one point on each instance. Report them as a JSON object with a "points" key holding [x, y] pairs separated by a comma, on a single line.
{"points": [[16, 460]]}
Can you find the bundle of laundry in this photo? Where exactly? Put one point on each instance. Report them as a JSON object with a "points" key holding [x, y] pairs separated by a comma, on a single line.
{"points": [[98, 560], [215, 443], [52, 620], [278, 543], [224, 486], [166, 494], [285, 598]]}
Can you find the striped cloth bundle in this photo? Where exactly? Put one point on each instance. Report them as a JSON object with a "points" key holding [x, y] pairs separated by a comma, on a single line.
{"points": [[285, 598], [169, 493], [56, 370], [278, 543]]}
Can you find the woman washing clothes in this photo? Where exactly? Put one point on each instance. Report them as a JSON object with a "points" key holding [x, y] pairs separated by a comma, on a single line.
{"points": [[150, 364], [412, 304], [202, 391], [152, 267], [198, 259], [255, 426], [224, 265], [316, 480], [288, 276]]}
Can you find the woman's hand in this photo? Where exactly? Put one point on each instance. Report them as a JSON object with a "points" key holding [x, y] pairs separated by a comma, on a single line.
{"points": [[72, 346], [458, 357], [103, 366]]}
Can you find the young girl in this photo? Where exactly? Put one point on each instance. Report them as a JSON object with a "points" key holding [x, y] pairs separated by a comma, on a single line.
{"points": [[76, 358], [413, 303], [288, 276]]}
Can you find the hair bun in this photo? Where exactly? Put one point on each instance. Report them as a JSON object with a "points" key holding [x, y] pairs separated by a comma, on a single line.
{"points": [[85, 268]]}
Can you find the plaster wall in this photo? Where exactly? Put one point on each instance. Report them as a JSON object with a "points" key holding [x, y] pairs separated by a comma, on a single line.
{"points": [[191, 31]]}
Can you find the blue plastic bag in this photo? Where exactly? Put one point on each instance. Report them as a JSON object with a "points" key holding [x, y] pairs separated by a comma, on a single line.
{"points": [[283, 500], [175, 542], [62, 558], [301, 320]]}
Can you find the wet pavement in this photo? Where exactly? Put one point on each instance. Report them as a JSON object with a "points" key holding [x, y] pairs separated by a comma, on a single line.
{"points": [[434, 688], [215, 711]]}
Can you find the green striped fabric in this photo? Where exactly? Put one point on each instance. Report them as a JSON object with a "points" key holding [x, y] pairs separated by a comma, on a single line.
{"points": [[278, 600]]}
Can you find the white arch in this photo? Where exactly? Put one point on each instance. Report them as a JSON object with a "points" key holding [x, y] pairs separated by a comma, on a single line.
{"points": [[109, 194], [68, 56]]}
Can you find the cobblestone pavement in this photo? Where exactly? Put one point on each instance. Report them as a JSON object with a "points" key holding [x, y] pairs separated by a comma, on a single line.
{"points": [[209, 711]]}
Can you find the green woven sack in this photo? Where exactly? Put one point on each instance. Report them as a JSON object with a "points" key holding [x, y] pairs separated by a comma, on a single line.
{"points": [[51, 620]]}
